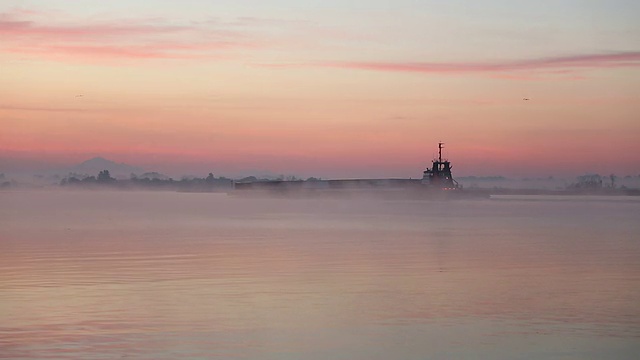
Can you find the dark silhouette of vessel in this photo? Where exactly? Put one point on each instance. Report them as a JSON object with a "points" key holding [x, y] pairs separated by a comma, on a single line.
{"points": [[439, 175], [437, 183]]}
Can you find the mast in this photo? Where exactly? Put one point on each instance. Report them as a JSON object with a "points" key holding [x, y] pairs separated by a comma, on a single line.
{"points": [[440, 151]]}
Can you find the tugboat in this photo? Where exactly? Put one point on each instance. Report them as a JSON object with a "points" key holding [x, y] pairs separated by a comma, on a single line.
{"points": [[439, 176]]}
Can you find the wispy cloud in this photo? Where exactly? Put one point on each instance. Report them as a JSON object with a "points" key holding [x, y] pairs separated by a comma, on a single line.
{"points": [[30, 29], [121, 39], [164, 50], [40, 108], [549, 64]]}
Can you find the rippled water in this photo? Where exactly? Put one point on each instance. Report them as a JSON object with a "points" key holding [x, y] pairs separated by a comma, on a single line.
{"points": [[160, 275]]}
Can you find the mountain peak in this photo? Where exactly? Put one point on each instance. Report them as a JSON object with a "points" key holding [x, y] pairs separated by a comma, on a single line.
{"points": [[98, 163], [97, 160]]}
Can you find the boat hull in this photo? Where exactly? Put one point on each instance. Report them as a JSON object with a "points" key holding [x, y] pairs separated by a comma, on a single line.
{"points": [[401, 189]]}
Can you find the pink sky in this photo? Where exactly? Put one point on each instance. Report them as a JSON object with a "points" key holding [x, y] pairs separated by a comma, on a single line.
{"points": [[318, 92]]}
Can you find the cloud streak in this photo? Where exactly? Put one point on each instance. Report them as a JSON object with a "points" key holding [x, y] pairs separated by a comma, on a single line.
{"points": [[24, 29], [549, 64], [131, 39], [36, 108]]}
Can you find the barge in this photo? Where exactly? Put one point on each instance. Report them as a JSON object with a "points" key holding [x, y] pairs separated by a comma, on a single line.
{"points": [[437, 182]]}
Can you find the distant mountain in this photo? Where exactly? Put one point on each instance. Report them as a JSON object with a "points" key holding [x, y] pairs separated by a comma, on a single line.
{"points": [[97, 164]]}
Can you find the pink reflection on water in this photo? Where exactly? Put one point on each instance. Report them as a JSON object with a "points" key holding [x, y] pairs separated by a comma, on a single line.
{"points": [[227, 277]]}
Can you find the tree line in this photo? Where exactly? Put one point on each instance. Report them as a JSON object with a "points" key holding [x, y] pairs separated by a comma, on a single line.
{"points": [[158, 181]]}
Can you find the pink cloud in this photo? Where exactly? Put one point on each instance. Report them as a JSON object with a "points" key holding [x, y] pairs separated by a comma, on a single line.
{"points": [[145, 51], [537, 76], [21, 28], [550, 64], [133, 39], [39, 108]]}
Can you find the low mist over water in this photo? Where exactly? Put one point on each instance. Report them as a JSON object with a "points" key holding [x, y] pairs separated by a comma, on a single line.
{"points": [[163, 275]]}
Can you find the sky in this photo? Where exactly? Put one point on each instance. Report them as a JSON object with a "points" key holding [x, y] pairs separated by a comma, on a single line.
{"points": [[322, 88]]}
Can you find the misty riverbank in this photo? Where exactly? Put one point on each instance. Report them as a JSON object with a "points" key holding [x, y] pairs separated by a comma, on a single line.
{"points": [[471, 186]]}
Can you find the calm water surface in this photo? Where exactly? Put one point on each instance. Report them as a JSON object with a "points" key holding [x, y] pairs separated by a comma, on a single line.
{"points": [[146, 275]]}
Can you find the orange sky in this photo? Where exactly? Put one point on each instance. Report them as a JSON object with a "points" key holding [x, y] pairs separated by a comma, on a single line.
{"points": [[335, 92]]}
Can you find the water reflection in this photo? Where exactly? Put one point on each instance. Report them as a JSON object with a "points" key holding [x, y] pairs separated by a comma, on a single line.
{"points": [[164, 275]]}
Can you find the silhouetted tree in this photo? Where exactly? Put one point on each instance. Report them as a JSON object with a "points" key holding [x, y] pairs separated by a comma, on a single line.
{"points": [[590, 181], [249, 179], [104, 176]]}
